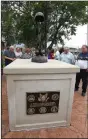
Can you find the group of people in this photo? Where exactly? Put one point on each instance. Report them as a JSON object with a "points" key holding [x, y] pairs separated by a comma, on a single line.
{"points": [[10, 54], [62, 55], [82, 62]]}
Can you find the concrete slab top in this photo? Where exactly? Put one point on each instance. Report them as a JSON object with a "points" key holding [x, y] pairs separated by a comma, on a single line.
{"points": [[25, 66]]}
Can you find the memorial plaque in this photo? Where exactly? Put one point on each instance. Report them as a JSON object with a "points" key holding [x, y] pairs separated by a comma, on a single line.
{"points": [[42, 102]]}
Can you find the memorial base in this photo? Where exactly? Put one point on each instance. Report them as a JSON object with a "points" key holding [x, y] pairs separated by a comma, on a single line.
{"points": [[39, 95]]}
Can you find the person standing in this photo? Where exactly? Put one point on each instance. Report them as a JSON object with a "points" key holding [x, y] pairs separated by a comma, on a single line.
{"points": [[61, 50], [9, 55], [27, 54], [18, 52], [51, 54], [67, 56], [33, 52], [57, 54], [82, 62]]}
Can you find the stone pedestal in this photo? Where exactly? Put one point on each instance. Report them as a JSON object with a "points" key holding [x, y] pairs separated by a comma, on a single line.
{"points": [[40, 95]]}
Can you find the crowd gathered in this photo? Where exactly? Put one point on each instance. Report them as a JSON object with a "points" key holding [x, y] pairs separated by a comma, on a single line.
{"points": [[63, 54]]}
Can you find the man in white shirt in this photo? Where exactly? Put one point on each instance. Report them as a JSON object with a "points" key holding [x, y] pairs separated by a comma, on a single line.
{"points": [[82, 62], [67, 56]]}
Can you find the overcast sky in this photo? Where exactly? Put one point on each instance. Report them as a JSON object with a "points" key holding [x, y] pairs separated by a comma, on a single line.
{"points": [[79, 39]]}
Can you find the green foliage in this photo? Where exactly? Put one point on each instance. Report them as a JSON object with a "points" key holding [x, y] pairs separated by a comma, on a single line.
{"points": [[61, 20], [7, 22]]}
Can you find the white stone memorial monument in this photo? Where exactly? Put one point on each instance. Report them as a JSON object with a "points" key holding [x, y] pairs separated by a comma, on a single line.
{"points": [[40, 95]]}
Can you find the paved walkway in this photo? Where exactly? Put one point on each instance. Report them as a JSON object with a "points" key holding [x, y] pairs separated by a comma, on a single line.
{"points": [[78, 128]]}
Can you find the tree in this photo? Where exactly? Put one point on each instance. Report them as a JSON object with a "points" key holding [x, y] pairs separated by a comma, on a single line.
{"points": [[7, 23], [68, 16], [61, 20]]}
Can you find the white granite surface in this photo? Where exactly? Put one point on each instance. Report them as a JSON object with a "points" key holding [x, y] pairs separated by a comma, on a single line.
{"points": [[25, 66], [25, 76]]}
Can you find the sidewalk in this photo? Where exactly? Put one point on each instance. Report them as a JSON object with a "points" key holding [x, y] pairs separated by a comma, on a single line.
{"points": [[78, 128]]}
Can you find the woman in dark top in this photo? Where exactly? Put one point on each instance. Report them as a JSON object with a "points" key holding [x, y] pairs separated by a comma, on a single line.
{"points": [[51, 54]]}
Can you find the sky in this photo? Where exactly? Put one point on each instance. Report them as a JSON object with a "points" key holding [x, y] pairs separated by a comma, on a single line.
{"points": [[77, 40], [80, 38]]}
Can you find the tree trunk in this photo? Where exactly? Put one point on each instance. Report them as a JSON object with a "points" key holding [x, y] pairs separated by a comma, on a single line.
{"points": [[55, 35], [56, 32]]}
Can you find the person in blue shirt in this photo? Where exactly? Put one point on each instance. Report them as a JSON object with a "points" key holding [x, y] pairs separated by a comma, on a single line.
{"points": [[9, 55], [82, 62], [67, 56]]}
